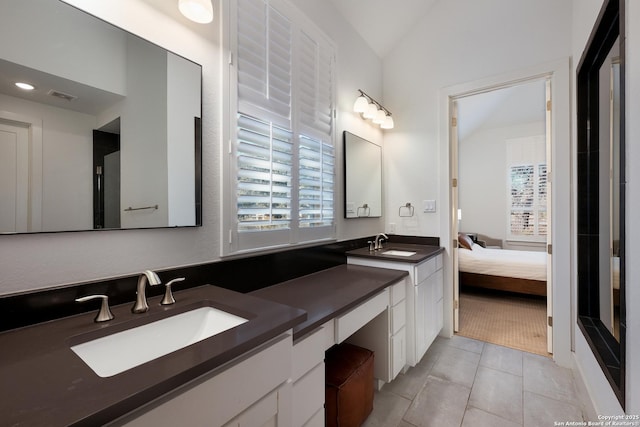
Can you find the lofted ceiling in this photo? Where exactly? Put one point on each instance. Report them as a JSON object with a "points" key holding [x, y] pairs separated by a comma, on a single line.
{"points": [[383, 23]]}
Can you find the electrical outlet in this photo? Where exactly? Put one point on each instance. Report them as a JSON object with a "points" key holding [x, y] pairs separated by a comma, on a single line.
{"points": [[392, 227]]}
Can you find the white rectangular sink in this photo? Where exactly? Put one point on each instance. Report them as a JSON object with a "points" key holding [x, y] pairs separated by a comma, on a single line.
{"points": [[396, 252], [118, 352]]}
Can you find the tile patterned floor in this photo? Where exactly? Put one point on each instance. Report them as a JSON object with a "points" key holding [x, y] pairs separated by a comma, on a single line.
{"points": [[465, 382]]}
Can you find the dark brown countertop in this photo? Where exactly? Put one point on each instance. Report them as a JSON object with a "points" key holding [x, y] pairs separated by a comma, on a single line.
{"points": [[422, 252], [45, 383], [329, 293]]}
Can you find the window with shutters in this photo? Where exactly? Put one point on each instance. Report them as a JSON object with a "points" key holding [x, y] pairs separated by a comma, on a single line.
{"points": [[527, 189], [282, 152]]}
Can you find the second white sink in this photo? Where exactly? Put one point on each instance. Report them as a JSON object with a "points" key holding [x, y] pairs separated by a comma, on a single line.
{"points": [[396, 252], [116, 353]]}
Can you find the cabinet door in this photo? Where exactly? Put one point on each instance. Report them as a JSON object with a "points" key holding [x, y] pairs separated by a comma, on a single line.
{"points": [[422, 318], [399, 354]]}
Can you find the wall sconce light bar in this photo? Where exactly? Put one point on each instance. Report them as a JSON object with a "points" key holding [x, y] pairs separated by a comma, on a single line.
{"points": [[371, 109]]}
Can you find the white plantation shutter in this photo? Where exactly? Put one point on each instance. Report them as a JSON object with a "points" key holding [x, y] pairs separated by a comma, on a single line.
{"points": [[284, 154], [264, 161], [316, 152], [522, 215], [317, 169], [315, 101], [542, 200], [264, 62], [527, 189], [528, 201]]}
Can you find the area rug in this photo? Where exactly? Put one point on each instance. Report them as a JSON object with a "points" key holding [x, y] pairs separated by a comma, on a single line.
{"points": [[505, 319]]}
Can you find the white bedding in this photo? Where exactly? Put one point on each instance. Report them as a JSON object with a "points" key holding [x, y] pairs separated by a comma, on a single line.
{"points": [[503, 262]]}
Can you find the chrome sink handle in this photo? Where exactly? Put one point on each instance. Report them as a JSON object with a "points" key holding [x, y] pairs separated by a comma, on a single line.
{"points": [[168, 295], [105, 312], [141, 305]]}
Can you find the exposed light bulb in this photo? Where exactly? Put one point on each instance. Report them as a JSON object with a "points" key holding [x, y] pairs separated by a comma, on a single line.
{"points": [[361, 104], [371, 112], [388, 123], [380, 117], [200, 11]]}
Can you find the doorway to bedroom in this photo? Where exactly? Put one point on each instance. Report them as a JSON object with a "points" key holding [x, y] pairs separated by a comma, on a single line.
{"points": [[502, 137]]}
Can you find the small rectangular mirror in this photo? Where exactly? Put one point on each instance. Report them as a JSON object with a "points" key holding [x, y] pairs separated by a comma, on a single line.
{"points": [[363, 177]]}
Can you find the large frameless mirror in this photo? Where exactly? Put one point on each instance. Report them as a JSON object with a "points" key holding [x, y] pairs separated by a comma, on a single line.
{"points": [[601, 189], [108, 137]]}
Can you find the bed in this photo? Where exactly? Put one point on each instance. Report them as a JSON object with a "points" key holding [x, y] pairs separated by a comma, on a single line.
{"points": [[501, 269]]}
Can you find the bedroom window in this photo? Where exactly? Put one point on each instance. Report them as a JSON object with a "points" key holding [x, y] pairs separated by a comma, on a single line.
{"points": [[281, 156], [528, 202]]}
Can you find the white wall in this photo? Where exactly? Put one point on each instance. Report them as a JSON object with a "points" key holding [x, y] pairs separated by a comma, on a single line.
{"points": [[482, 176], [40, 261], [458, 41]]}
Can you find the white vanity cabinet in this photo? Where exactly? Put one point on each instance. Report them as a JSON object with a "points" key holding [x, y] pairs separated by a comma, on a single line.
{"points": [[254, 390], [423, 303]]}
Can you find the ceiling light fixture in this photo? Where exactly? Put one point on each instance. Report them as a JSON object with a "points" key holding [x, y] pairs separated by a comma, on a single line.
{"points": [[200, 11], [25, 86], [371, 109]]}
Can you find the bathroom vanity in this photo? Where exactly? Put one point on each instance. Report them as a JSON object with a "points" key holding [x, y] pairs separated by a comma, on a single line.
{"points": [[424, 291], [268, 370]]}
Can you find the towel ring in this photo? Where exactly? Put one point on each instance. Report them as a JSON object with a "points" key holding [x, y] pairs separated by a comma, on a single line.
{"points": [[406, 210]]}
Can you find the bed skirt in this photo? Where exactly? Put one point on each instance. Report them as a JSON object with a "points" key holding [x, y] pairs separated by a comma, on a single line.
{"points": [[510, 284]]}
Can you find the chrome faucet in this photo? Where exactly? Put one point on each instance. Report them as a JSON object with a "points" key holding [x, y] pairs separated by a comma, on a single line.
{"points": [[378, 243], [141, 305]]}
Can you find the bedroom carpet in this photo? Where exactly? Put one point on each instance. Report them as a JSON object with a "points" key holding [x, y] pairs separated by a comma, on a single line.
{"points": [[505, 319]]}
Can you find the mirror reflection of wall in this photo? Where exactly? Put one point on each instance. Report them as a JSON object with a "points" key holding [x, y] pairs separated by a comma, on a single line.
{"points": [[363, 177], [89, 75], [609, 188]]}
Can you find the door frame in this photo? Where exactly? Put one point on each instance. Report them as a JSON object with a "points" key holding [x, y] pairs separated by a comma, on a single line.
{"points": [[563, 263]]}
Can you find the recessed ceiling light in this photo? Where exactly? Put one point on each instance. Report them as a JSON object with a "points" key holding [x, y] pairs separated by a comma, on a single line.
{"points": [[25, 86]]}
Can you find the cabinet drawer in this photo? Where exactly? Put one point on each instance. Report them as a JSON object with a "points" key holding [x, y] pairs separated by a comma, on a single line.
{"points": [[398, 316], [399, 355], [262, 413], [426, 269], [307, 353], [308, 395], [398, 292], [350, 322]]}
